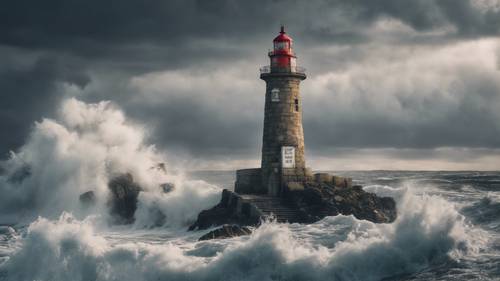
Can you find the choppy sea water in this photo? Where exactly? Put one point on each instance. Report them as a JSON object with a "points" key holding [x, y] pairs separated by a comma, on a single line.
{"points": [[447, 226], [448, 229]]}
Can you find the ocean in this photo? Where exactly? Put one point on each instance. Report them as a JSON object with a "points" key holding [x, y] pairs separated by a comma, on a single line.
{"points": [[448, 225], [448, 228]]}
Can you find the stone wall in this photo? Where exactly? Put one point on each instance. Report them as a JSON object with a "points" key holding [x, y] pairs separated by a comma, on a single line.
{"points": [[296, 175], [337, 181], [249, 181], [282, 127]]}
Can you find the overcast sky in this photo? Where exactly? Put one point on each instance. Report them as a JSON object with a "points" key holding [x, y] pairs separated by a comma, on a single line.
{"points": [[391, 84]]}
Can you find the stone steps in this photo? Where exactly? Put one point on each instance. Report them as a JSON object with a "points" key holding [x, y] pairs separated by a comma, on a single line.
{"points": [[274, 206]]}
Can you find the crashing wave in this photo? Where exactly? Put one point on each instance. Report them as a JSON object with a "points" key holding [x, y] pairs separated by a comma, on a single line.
{"points": [[82, 150], [89, 144], [429, 230]]}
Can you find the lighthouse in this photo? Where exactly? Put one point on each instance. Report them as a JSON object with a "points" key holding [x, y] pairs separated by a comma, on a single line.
{"points": [[283, 158], [283, 187], [283, 138]]}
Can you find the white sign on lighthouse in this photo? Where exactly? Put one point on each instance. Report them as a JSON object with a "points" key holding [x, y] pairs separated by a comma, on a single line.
{"points": [[288, 157]]}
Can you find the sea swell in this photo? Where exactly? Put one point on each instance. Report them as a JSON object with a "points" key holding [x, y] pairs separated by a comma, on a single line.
{"points": [[54, 238], [429, 230]]}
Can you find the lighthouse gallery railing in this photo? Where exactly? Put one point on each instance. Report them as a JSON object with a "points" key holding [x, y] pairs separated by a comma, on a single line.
{"points": [[268, 69]]}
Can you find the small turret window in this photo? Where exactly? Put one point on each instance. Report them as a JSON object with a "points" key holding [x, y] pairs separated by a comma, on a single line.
{"points": [[297, 105], [275, 95]]}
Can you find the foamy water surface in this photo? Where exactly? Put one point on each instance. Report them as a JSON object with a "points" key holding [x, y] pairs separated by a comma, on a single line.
{"points": [[448, 225]]}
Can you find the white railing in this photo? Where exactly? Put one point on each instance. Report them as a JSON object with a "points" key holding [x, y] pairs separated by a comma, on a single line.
{"points": [[268, 69]]}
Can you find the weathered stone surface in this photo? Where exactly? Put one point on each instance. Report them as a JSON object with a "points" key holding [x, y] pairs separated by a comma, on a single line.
{"points": [[318, 200], [306, 202], [323, 177], [87, 199], [249, 181], [231, 210], [282, 126], [226, 231], [341, 182], [295, 186], [123, 198]]}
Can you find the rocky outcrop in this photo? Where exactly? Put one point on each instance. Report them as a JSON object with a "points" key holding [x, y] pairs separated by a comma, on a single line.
{"points": [[122, 201], [232, 209], [87, 199], [317, 200], [303, 203], [226, 231], [123, 196]]}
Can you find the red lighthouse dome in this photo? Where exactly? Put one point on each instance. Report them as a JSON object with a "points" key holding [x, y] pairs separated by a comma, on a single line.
{"points": [[283, 43], [282, 57]]}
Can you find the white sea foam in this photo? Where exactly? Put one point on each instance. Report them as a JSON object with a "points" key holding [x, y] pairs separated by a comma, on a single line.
{"points": [[428, 230], [89, 143], [80, 151]]}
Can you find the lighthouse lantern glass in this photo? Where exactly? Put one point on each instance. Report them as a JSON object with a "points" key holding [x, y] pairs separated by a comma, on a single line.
{"points": [[281, 46]]}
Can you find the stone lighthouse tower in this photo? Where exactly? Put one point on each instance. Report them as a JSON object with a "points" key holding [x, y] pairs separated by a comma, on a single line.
{"points": [[283, 159], [283, 139]]}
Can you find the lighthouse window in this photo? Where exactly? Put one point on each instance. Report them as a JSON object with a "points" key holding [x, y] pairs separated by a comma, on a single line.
{"points": [[297, 105], [281, 45], [275, 95]]}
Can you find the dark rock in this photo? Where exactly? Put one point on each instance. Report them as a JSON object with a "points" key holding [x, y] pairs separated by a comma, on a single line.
{"points": [[87, 199], [226, 231], [123, 198], [308, 204], [318, 200], [231, 210], [167, 187]]}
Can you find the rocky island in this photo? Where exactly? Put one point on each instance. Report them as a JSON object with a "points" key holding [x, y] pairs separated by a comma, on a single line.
{"points": [[306, 202], [283, 187]]}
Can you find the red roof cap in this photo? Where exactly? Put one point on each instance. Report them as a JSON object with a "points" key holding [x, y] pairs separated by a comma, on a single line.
{"points": [[283, 36]]}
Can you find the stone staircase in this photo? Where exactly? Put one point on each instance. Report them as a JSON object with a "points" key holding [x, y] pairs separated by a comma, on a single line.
{"points": [[273, 206]]}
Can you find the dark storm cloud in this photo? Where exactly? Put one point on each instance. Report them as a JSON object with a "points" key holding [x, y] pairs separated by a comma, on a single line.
{"points": [[435, 97], [29, 89], [100, 45], [92, 28], [205, 131]]}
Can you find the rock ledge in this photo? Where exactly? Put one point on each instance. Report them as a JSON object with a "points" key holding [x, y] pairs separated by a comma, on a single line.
{"points": [[308, 204]]}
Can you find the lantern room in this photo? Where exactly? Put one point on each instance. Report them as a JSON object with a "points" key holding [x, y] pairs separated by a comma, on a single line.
{"points": [[282, 57]]}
